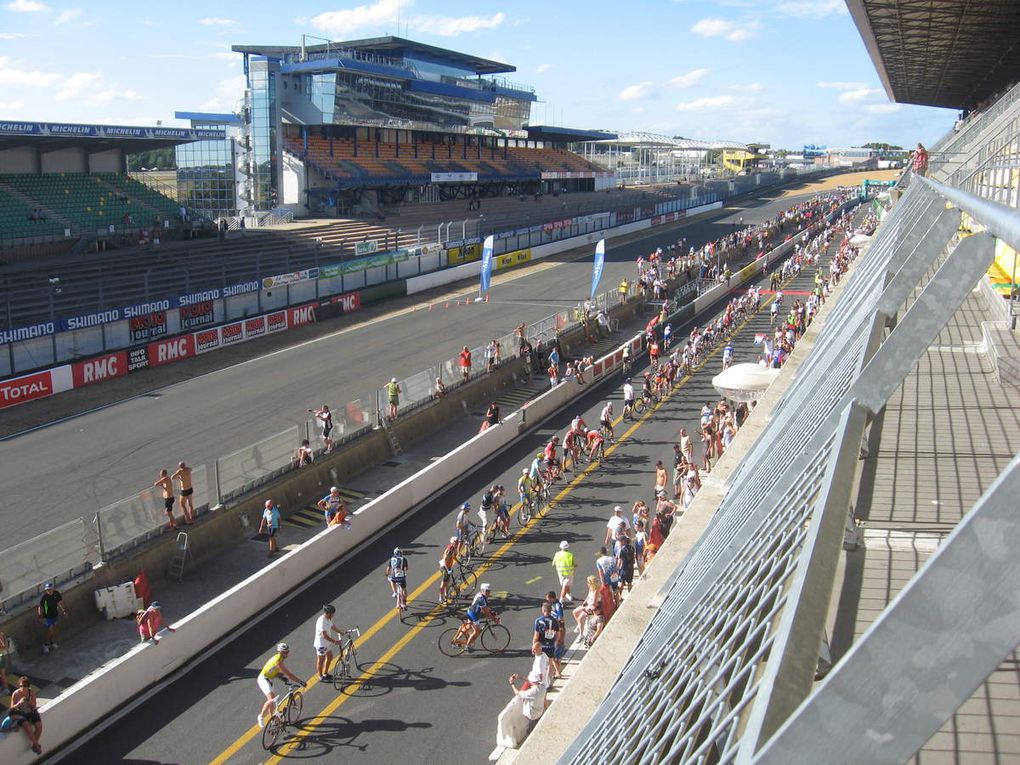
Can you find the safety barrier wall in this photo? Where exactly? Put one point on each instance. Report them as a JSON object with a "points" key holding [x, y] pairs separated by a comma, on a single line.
{"points": [[93, 699]]}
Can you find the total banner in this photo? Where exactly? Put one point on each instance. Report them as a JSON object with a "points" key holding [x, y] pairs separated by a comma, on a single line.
{"points": [[33, 386]]}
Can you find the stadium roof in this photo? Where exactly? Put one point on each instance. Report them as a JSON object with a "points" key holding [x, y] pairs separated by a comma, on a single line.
{"points": [[639, 138], [129, 139], [393, 47], [950, 53], [566, 135]]}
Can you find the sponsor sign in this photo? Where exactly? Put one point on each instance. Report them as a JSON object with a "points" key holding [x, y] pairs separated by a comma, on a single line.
{"points": [[105, 131], [27, 388], [349, 301], [366, 248], [232, 333], [197, 314], [207, 340], [170, 350], [302, 314], [147, 326], [138, 358], [282, 280], [27, 333], [454, 177], [254, 327], [276, 321], [99, 369], [514, 258]]}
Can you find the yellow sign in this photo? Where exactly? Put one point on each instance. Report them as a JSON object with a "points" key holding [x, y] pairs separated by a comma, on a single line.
{"points": [[515, 258], [457, 255]]}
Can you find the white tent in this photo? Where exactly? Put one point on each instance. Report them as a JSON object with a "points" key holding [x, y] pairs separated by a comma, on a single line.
{"points": [[744, 382]]}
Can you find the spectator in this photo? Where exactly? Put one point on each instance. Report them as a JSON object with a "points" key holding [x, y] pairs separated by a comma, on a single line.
{"points": [[547, 636], [50, 609], [609, 574], [393, 398], [325, 418], [304, 454], [166, 487], [492, 414], [553, 373], [661, 479], [556, 608], [24, 712], [615, 526], [465, 364], [520, 714], [920, 161], [440, 390], [270, 526], [334, 508], [589, 607], [626, 558], [150, 621], [565, 565], [542, 665], [183, 476], [640, 545], [490, 356]]}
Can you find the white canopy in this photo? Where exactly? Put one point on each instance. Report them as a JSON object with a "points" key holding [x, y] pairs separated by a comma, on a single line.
{"points": [[744, 382], [859, 240]]}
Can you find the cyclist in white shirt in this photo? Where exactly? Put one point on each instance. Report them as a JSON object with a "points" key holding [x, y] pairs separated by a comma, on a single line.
{"points": [[606, 420], [628, 399], [326, 635]]}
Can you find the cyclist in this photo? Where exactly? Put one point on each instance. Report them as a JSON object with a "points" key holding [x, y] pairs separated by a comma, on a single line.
{"points": [[270, 671], [569, 450], [446, 561], [479, 609], [667, 334], [606, 422], [595, 445], [627, 361], [396, 573], [579, 425], [536, 472], [628, 399], [524, 486], [647, 393], [552, 461], [487, 504], [464, 525], [727, 356], [653, 351], [502, 521], [325, 633]]}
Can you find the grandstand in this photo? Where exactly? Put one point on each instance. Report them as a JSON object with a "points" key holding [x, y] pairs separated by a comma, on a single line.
{"points": [[340, 128]]}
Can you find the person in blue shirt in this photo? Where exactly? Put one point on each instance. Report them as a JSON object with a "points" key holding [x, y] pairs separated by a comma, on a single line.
{"points": [[477, 611], [396, 573], [271, 525]]}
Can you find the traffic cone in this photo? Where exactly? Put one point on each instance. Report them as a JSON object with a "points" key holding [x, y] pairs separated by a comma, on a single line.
{"points": [[486, 297]]}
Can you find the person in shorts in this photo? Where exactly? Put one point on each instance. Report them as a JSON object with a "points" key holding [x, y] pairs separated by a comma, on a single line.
{"points": [[548, 631], [50, 609], [24, 712], [166, 487], [326, 636], [183, 476], [270, 525]]}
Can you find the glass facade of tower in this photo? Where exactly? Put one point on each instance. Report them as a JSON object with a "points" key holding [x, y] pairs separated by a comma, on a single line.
{"points": [[205, 173], [265, 119]]}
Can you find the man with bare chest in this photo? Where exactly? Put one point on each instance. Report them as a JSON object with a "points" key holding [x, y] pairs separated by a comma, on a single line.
{"points": [[183, 476], [166, 486]]}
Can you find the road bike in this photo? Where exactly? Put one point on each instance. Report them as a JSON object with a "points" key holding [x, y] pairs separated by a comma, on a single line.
{"points": [[461, 580], [494, 638], [345, 665], [288, 712], [473, 544]]}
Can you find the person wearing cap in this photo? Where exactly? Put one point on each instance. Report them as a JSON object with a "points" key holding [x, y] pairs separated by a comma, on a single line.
{"points": [[393, 397], [532, 693], [465, 363], [50, 609], [334, 508], [477, 611], [270, 525], [615, 526], [150, 622], [446, 561], [565, 565], [326, 636]]}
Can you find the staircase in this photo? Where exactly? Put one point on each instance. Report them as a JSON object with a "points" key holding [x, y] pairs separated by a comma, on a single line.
{"points": [[34, 203]]}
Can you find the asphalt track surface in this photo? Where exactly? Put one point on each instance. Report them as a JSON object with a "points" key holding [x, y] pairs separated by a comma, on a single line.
{"points": [[72, 467], [413, 704]]}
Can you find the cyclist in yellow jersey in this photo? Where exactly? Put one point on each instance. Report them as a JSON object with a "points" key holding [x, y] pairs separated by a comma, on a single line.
{"points": [[270, 670], [524, 485]]}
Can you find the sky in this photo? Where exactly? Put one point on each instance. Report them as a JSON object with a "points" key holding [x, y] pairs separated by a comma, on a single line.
{"points": [[783, 72]]}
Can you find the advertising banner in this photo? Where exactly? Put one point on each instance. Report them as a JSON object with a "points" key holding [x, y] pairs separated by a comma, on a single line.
{"points": [[231, 333], [486, 275], [454, 177], [300, 315], [276, 321], [138, 358], [27, 388], [170, 350], [282, 280], [366, 248], [197, 314], [99, 369], [597, 266], [254, 327], [207, 340], [508, 259], [147, 326]]}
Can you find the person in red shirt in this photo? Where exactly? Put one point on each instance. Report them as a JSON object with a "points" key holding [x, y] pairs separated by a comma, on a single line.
{"points": [[595, 445], [465, 363]]}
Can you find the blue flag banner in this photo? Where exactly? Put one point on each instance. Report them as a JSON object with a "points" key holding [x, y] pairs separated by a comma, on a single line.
{"points": [[600, 262], [486, 264]]}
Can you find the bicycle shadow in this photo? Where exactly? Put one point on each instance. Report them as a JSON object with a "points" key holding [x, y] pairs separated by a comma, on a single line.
{"points": [[387, 677], [327, 734]]}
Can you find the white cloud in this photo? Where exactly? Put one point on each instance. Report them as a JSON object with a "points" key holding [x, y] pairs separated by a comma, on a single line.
{"points": [[228, 92], [730, 30], [226, 55], [92, 88], [750, 87], [886, 108], [451, 26], [812, 9], [543, 68], [31, 78], [68, 15], [842, 85], [852, 97], [342, 23], [11, 106], [25, 6], [689, 79], [708, 103], [215, 21], [11, 35], [637, 92]]}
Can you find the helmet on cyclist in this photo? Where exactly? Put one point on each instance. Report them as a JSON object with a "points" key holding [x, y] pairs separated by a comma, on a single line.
{"points": [[486, 588], [525, 471], [329, 609], [540, 455], [466, 506], [554, 440], [627, 381], [647, 375], [396, 551], [453, 540], [282, 648]]}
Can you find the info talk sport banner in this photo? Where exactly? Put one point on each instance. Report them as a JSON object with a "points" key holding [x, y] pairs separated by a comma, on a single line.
{"points": [[109, 366]]}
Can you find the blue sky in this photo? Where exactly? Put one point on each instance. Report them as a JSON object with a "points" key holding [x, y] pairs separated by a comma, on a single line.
{"points": [[787, 72]]}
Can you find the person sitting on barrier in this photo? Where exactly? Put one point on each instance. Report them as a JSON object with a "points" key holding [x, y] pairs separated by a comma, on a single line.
{"points": [[440, 389], [150, 622], [334, 508], [303, 455], [24, 712]]}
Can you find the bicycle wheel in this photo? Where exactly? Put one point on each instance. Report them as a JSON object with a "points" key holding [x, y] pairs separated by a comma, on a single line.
{"points": [[466, 581], [450, 644], [639, 406], [342, 668], [477, 544], [293, 710], [271, 732], [495, 638], [524, 513]]}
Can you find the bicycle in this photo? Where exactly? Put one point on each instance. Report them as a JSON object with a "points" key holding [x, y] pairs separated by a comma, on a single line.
{"points": [[473, 544], [494, 638], [346, 661], [528, 506], [288, 712], [462, 580]]}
